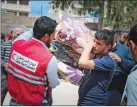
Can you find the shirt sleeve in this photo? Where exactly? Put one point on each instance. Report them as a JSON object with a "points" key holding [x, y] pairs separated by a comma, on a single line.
{"points": [[131, 89], [25, 36], [104, 64], [52, 73], [128, 63]]}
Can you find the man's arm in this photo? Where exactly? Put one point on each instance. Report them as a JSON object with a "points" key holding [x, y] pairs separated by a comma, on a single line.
{"points": [[84, 61], [128, 63], [131, 88], [105, 63], [125, 64], [52, 73], [25, 36]]}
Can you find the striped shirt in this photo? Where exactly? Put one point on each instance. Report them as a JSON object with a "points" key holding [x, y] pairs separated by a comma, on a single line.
{"points": [[5, 51]]}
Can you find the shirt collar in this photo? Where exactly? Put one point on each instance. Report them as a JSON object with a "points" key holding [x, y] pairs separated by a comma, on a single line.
{"points": [[114, 49], [40, 42], [134, 68]]}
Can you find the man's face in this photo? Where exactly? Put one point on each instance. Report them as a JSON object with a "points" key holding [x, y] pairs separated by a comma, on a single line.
{"points": [[133, 48], [17, 33], [15, 36], [122, 39], [100, 47], [49, 39]]}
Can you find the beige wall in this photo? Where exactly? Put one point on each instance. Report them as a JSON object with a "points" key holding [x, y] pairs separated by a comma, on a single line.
{"points": [[10, 20], [16, 7]]}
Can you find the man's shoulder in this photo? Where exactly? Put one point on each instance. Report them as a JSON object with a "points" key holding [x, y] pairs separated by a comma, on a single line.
{"points": [[132, 78], [122, 46], [134, 69], [108, 59], [53, 61], [105, 62]]}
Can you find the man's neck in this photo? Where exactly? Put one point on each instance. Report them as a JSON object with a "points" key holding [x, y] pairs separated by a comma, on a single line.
{"points": [[98, 56]]}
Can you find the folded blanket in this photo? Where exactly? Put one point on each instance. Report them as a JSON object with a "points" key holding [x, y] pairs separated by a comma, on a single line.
{"points": [[70, 74], [64, 53]]}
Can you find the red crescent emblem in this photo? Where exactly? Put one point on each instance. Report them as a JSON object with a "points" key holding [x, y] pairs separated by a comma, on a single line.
{"points": [[13, 56]]}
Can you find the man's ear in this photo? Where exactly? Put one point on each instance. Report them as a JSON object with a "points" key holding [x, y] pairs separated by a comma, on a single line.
{"points": [[46, 37], [132, 45], [109, 47]]}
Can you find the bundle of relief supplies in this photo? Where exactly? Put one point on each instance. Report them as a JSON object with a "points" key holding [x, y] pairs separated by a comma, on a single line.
{"points": [[68, 46]]}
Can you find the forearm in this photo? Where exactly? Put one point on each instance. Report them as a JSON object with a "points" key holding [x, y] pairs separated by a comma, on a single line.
{"points": [[85, 56], [126, 65], [84, 61]]}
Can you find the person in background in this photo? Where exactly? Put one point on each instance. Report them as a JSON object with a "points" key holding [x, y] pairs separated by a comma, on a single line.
{"points": [[2, 38], [5, 54], [10, 35], [123, 38], [93, 89], [33, 69], [121, 54], [131, 84]]}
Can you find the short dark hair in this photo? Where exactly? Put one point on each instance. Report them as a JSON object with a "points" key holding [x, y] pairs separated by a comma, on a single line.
{"points": [[106, 35], [43, 25], [2, 36], [133, 34]]}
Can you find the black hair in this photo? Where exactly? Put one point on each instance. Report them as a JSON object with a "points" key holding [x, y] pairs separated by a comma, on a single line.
{"points": [[133, 34], [2, 36], [11, 32], [43, 25], [106, 35]]}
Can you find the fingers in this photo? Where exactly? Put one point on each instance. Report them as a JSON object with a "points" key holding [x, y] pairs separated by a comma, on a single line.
{"points": [[112, 55], [90, 40], [57, 31], [58, 28], [115, 57]]}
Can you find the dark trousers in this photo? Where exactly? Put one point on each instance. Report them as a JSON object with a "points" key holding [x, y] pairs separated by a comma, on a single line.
{"points": [[113, 98], [116, 89], [4, 89], [118, 83]]}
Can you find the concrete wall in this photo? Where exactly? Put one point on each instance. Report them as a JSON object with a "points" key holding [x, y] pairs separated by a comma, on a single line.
{"points": [[16, 7], [8, 22]]}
